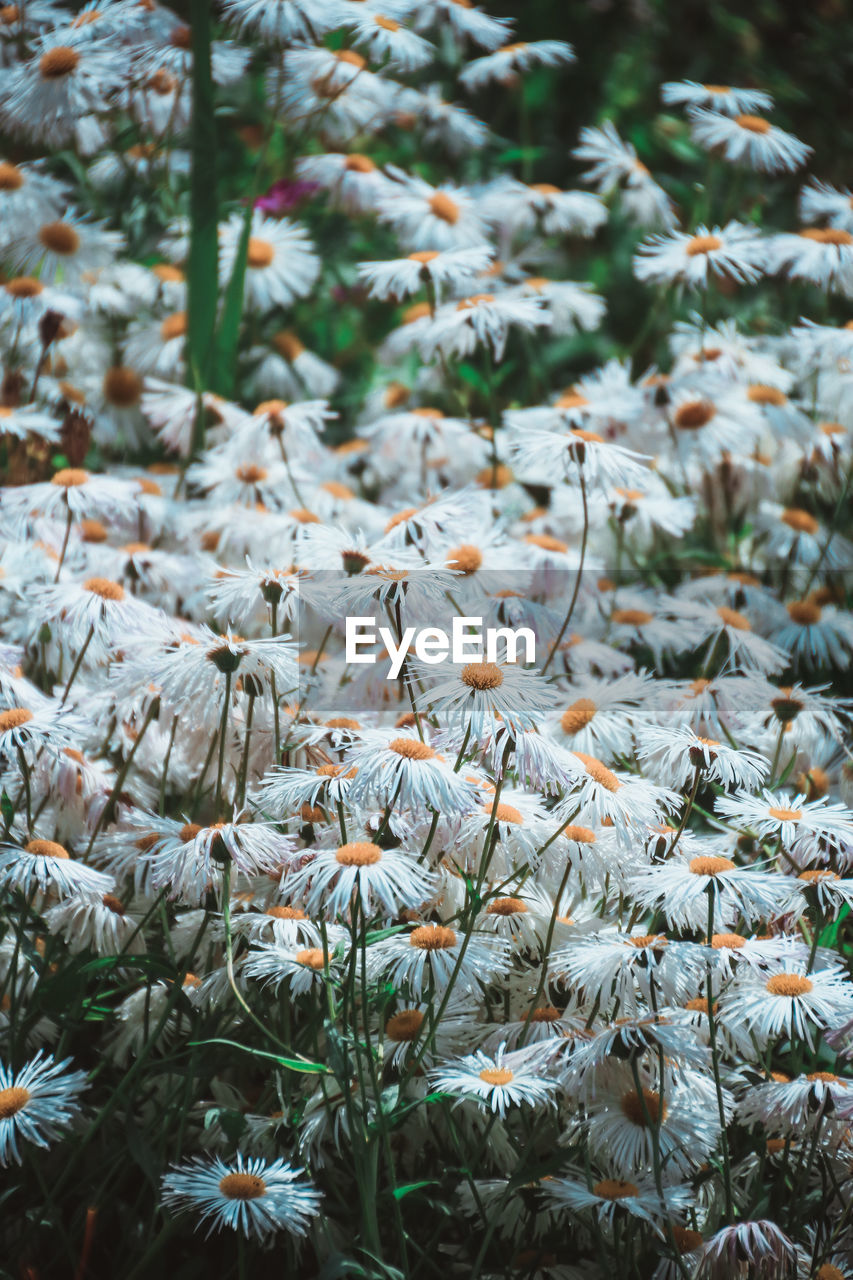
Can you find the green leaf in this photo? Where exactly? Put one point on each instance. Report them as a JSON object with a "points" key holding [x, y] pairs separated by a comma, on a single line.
{"points": [[400, 1192], [228, 334], [829, 936], [292, 1064]]}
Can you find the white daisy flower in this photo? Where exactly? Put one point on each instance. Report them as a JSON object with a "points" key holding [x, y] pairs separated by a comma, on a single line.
{"points": [[749, 140], [353, 181], [191, 860], [454, 269], [786, 1002], [717, 97], [333, 86], [425, 959], [68, 249], [620, 969], [622, 1124], [398, 767], [484, 319], [487, 696], [792, 819], [683, 889], [791, 1106], [248, 1194], [598, 715], [281, 264], [815, 635], [821, 202], [673, 754], [157, 346], [28, 197], [823, 255], [497, 1083], [287, 790], [515, 208], [504, 64], [282, 23], [464, 20], [71, 492], [426, 217], [734, 251], [303, 967], [387, 41], [45, 865], [599, 795], [289, 369], [47, 95], [98, 923], [36, 1103], [44, 725], [607, 1196], [93, 614], [451, 1035], [386, 880], [759, 1246]]}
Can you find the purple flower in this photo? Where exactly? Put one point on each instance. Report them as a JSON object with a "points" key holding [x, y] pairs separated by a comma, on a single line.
{"points": [[285, 195]]}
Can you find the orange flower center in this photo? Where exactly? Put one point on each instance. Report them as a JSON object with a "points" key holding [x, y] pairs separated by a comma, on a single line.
{"points": [[789, 984], [404, 1026], [481, 675], [496, 1076], [59, 237], [260, 254], [710, 866], [104, 588], [13, 1100], [58, 62], [753, 124], [444, 208], [359, 853], [411, 749], [578, 715], [46, 849], [242, 1186], [432, 937]]}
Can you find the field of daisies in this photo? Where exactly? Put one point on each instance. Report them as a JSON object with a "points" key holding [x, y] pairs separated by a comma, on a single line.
{"points": [[425, 704]]}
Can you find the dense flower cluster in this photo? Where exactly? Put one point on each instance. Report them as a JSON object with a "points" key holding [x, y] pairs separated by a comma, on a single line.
{"points": [[475, 969]]}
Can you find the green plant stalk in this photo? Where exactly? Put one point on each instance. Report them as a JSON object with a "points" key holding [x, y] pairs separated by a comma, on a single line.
{"points": [[203, 263]]}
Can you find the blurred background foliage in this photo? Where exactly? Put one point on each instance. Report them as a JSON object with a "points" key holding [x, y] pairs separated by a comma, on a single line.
{"points": [[802, 53]]}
